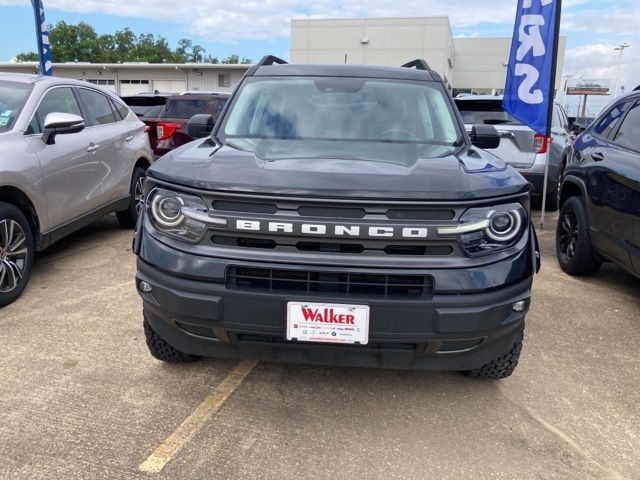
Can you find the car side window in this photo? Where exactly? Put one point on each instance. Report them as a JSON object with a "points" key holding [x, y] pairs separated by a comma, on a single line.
{"points": [[57, 100], [217, 108], [556, 118], [628, 134], [611, 119], [120, 109], [97, 106], [563, 118]]}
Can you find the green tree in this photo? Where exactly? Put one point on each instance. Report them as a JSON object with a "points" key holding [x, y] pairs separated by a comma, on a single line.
{"points": [[80, 42], [27, 57], [231, 59], [123, 42], [74, 42]]}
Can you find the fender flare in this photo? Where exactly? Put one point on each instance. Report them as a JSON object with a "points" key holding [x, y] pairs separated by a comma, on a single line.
{"points": [[574, 181], [536, 259]]}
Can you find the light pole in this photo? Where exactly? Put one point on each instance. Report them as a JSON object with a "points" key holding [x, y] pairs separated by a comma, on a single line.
{"points": [[620, 48], [567, 77]]}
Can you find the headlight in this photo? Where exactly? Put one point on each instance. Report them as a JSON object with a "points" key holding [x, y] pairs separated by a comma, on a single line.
{"points": [[504, 226], [180, 215], [489, 229]]}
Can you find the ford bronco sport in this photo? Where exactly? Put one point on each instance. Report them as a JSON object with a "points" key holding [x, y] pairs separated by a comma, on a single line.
{"points": [[338, 214]]}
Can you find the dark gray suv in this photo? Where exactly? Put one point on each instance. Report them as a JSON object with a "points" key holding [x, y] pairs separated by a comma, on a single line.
{"points": [[338, 214]]}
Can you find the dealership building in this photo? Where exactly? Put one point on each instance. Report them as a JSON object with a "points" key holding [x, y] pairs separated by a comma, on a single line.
{"points": [[469, 65], [131, 78]]}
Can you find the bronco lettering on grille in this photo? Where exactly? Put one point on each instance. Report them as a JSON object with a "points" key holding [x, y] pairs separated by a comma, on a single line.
{"points": [[318, 229]]}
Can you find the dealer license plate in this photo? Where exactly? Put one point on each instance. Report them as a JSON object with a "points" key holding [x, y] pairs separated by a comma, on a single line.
{"points": [[327, 323]]}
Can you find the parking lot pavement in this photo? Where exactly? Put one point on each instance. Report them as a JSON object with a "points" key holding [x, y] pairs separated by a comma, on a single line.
{"points": [[81, 398]]}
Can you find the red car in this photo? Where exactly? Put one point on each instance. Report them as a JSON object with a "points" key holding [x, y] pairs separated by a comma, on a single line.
{"points": [[169, 129]]}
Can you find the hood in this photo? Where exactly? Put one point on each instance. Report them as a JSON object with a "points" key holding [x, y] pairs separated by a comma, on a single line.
{"points": [[470, 174]]}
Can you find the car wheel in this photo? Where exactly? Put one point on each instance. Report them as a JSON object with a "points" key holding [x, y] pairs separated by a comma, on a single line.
{"points": [[573, 243], [502, 366], [162, 350], [129, 217], [16, 253]]}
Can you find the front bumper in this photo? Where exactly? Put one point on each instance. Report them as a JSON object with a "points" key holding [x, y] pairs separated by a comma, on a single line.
{"points": [[459, 330]]}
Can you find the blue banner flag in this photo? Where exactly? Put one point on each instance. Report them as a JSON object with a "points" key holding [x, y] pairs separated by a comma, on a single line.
{"points": [[44, 49], [529, 89]]}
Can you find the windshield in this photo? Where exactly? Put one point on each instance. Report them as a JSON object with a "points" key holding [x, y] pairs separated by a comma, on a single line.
{"points": [[184, 108], [13, 95], [147, 111], [145, 106], [488, 112], [340, 117]]}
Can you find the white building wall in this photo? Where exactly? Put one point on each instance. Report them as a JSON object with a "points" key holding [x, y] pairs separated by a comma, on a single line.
{"points": [[480, 63], [477, 63], [127, 79], [383, 41]]}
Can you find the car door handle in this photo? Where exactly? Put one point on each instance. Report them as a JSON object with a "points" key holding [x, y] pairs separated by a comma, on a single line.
{"points": [[128, 138], [597, 156], [92, 148]]}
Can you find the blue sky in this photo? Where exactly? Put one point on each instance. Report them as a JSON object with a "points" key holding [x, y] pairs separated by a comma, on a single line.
{"points": [[252, 28]]}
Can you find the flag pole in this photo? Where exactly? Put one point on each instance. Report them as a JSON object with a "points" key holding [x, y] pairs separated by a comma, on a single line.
{"points": [[42, 36], [552, 88]]}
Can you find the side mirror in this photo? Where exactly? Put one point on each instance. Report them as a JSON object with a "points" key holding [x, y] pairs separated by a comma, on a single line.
{"points": [[59, 124], [485, 136], [200, 125]]}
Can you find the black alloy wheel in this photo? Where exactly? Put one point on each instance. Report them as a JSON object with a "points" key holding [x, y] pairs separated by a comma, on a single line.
{"points": [[573, 243]]}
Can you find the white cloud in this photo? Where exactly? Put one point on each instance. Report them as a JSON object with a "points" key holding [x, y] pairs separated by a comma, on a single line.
{"points": [[618, 20], [222, 20], [217, 20], [600, 61]]}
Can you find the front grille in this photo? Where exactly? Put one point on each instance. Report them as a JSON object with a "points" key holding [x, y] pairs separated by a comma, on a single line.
{"points": [[333, 211], [334, 283], [330, 247], [276, 224]]}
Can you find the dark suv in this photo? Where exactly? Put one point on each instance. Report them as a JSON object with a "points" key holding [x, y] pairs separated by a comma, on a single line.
{"points": [[338, 214], [600, 215], [169, 129]]}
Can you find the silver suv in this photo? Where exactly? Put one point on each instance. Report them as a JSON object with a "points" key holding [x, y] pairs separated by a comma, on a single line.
{"points": [[521, 147], [70, 153]]}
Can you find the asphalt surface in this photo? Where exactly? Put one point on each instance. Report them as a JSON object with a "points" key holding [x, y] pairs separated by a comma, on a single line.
{"points": [[80, 397]]}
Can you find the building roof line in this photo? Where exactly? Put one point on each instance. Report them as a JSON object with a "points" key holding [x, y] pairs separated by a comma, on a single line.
{"points": [[132, 65], [368, 18]]}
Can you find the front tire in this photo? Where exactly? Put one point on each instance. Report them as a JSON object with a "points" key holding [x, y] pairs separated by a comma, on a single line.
{"points": [[16, 253], [573, 243], [129, 217], [162, 350], [502, 366]]}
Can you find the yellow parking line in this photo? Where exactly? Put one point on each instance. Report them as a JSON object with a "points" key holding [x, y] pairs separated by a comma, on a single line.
{"points": [[194, 422]]}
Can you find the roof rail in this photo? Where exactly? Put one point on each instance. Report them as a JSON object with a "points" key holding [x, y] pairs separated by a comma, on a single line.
{"points": [[270, 60], [418, 64]]}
